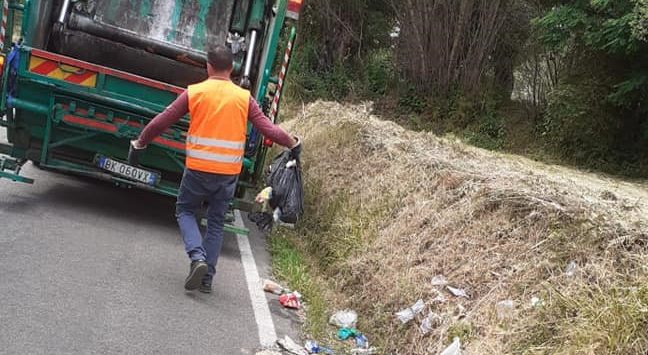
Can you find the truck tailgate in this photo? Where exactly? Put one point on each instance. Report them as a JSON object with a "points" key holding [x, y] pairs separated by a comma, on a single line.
{"points": [[68, 112]]}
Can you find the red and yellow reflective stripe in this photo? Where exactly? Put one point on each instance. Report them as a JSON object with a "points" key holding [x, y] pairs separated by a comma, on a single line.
{"points": [[64, 72], [57, 58]]}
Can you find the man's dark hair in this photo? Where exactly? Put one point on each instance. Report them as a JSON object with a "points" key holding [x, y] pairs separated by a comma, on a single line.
{"points": [[220, 57]]}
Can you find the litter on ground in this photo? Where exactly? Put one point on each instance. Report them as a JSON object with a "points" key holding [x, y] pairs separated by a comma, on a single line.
{"points": [[430, 322], [571, 269], [314, 348], [344, 319], [457, 292], [454, 348], [536, 301], [263, 221], [291, 347], [290, 300], [347, 333], [505, 310], [273, 287], [362, 341], [439, 298], [408, 314], [460, 311], [264, 196], [439, 280]]}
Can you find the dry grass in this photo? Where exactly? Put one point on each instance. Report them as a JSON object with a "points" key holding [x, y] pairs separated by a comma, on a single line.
{"points": [[389, 209]]}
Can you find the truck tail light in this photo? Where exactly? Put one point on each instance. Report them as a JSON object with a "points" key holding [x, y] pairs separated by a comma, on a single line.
{"points": [[294, 8]]}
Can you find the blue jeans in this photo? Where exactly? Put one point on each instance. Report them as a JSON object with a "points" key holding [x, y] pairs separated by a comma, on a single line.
{"points": [[217, 190]]}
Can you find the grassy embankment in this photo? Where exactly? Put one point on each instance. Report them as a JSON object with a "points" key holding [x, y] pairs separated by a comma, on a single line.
{"points": [[389, 209]]}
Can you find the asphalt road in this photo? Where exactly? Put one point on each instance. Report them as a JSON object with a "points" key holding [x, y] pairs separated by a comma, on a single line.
{"points": [[86, 268]]}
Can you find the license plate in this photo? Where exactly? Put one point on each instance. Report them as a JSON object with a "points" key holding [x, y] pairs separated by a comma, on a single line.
{"points": [[128, 171]]}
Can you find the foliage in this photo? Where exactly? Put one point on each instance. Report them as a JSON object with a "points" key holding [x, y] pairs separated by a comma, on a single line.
{"points": [[599, 31], [578, 67], [380, 73], [640, 20], [342, 51], [445, 45], [596, 112], [574, 127]]}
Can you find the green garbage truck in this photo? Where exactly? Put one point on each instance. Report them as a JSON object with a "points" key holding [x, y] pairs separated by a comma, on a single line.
{"points": [[83, 77]]}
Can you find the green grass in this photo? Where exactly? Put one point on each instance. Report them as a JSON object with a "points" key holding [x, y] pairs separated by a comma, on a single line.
{"points": [[462, 330], [289, 265], [314, 255]]}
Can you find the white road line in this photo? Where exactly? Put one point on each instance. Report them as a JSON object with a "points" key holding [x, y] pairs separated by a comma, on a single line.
{"points": [[267, 332]]}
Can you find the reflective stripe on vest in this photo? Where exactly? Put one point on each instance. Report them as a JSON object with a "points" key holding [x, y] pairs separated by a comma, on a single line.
{"points": [[218, 127], [216, 143], [217, 158]]}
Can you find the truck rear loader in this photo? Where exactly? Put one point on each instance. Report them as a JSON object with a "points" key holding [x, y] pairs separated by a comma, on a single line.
{"points": [[82, 78]]}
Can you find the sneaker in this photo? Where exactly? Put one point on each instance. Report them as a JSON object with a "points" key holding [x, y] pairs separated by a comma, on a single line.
{"points": [[205, 288], [197, 271]]}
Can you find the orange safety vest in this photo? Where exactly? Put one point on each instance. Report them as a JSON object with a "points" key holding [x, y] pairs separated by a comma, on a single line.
{"points": [[218, 126]]}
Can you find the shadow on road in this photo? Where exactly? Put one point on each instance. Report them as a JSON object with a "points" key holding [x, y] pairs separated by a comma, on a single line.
{"points": [[74, 199], [63, 193]]}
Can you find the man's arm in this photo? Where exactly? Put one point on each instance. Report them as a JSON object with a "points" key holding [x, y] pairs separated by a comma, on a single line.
{"points": [[267, 128], [164, 120]]}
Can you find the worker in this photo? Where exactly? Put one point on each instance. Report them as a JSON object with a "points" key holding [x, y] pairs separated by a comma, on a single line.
{"points": [[215, 145]]}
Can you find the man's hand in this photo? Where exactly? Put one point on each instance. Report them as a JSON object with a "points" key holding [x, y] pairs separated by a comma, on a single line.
{"points": [[133, 153], [295, 151]]}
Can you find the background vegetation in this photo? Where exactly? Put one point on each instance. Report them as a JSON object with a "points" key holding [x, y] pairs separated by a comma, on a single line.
{"points": [[388, 208], [563, 81]]}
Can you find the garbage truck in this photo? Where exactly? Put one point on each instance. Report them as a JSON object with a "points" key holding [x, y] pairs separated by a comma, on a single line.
{"points": [[83, 77]]}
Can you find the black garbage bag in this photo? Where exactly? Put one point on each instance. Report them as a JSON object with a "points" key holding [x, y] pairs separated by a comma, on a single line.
{"points": [[263, 221], [287, 189]]}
